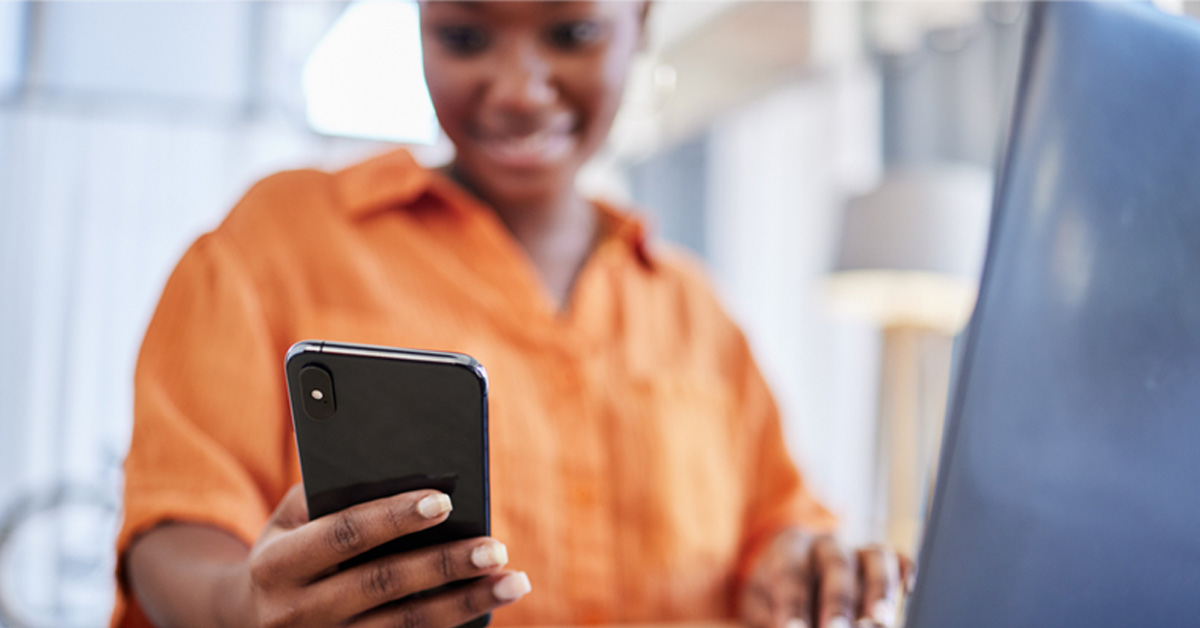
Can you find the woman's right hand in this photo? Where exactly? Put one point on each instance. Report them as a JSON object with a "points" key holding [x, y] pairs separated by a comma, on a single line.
{"points": [[292, 576]]}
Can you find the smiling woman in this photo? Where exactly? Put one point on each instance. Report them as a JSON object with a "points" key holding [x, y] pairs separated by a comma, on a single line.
{"points": [[527, 93], [638, 469]]}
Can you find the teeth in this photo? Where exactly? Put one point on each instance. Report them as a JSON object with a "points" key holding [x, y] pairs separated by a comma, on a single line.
{"points": [[531, 142], [536, 148]]}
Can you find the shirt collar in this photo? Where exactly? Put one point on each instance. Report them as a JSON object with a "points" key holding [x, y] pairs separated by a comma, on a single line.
{"points": [[394, 179], [388, 180], [627, 229]]}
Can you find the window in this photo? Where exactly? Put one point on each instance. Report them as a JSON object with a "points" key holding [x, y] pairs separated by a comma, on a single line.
{"points": [[365, 77]]}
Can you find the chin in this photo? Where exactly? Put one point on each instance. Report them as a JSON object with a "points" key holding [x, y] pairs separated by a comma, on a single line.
{"points": [[511, 186]]}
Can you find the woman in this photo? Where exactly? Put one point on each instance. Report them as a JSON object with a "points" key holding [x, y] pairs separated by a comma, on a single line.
{"points": [[638, 472]]}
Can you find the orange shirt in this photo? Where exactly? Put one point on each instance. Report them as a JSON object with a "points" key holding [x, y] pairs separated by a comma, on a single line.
{"points": [[636, 453]]}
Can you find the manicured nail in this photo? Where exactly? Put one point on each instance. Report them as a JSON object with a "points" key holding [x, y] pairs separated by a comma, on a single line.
{"points": [[491, 554], [884, 612], [512, 586], [796, 622], [434, 505], [839, 622]]}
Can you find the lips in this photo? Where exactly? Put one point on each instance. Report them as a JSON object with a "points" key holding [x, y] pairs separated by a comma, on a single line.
{"points": [[536, 149]]}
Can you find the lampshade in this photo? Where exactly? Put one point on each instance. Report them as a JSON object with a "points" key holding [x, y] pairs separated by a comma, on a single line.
{"points": [[911, 251]]}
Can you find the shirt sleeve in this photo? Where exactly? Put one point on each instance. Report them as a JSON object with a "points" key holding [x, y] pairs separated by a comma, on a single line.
{"points": [[778, 497], [210, 436]]}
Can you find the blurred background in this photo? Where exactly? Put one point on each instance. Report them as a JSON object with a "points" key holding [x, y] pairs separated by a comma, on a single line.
{"points": [[830, 161]]}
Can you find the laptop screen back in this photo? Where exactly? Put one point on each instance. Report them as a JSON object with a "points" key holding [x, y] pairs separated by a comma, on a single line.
{"points": [[1069, 487]]}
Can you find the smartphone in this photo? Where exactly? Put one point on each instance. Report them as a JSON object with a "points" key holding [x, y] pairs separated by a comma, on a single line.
{"points": [[371, 422]]}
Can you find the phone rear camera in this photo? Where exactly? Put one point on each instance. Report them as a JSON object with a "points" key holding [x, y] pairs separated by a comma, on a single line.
{"points": [[317, 385]]}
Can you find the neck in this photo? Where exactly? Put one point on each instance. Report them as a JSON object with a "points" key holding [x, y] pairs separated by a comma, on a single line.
{"points": [[538, 222], [557, 232], [542, 226]]}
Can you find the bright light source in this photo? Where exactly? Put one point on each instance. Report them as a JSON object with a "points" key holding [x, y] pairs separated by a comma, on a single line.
{"points": [[365, 77]]}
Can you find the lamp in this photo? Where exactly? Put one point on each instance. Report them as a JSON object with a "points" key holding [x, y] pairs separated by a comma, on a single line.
{"points": [[912, 249], [909, 261]]}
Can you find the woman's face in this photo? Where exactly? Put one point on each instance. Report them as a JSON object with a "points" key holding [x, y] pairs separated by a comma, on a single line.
{"points": [[527, 91]]}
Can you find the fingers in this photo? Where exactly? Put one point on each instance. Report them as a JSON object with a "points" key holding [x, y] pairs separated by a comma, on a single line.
{"points": [[778, 592], [835, 585], [757, 605], [884, 577], [357, 590], [908, 574], [310, 550], [879, 579], [783, 605], [828, 589], [451, 608], [795, 605]]}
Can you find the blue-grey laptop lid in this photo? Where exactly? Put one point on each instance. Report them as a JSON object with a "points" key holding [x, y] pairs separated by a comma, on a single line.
{"points": [[1069, 486]]}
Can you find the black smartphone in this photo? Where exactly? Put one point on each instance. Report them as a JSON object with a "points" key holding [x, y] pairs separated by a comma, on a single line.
{"points": [[372, 422]]}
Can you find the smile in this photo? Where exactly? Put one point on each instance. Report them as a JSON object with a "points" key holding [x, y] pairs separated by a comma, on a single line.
{"points": [[535, 150]]}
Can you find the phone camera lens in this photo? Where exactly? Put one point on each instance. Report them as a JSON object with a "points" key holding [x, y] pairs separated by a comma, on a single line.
{"points": [[319, 403]]}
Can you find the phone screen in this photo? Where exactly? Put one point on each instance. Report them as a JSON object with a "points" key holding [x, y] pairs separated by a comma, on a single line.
{"points": [[375, 421]]}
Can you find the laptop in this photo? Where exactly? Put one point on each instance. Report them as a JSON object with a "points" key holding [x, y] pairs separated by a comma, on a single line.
{"points": [[1069, 484]]}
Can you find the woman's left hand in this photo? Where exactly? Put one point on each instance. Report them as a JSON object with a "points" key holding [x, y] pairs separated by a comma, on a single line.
{"points": [[806, 581]]}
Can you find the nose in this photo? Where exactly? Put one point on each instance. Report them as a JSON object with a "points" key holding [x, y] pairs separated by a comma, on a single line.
{"points": [[523, 79]]}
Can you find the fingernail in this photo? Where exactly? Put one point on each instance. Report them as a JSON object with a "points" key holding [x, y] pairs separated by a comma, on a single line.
{"points": [[910, 583], [884, 612], [839, 622], [512, 586], [434, 505], [796, 622], [492, 554]]}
